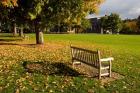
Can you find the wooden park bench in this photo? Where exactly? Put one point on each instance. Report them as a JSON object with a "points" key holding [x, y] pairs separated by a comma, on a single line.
{"points": [[92, 58]]}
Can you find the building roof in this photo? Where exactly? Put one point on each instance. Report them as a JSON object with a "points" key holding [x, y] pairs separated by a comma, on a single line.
{"points": [[90, 16]]}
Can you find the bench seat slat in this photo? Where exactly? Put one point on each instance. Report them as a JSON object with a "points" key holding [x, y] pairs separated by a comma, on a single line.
{"points": [[84, 62], [107, 59], [107, 67], [105, 74]]}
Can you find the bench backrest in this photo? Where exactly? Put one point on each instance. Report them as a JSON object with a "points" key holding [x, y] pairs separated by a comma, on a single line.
{"points": [[89, 57]]}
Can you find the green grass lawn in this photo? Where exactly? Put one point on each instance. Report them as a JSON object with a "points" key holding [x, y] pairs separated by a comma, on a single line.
{"points": [[15, 78]]}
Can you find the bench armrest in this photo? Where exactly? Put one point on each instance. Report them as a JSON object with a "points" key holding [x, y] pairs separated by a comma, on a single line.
{"points": [[107, 59]]}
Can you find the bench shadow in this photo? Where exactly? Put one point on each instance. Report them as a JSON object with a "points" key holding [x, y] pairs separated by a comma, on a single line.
{"points": [[46, 68]]}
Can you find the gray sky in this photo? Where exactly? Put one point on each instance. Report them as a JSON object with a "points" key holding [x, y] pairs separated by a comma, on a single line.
{"points": [[125, 8]]}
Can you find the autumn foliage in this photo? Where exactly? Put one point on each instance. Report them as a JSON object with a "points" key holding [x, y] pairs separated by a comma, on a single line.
{"points": [[130, 27], [9, 2]]}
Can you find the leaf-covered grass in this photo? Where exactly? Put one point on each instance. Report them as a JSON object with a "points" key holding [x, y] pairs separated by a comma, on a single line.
{"points": [[15, 78]]}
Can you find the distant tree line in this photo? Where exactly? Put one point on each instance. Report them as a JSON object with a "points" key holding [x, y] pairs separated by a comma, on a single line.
{"points": [[114, 24], [130, 26]]}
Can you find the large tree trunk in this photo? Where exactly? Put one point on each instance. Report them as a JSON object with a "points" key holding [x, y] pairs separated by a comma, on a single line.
{"points": [[39, 37], [21, 32], [39, 33], [14, 29]]}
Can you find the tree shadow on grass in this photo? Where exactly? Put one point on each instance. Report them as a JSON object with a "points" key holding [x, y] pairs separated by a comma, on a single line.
{"points": [[23, 45], [28, 45], [6, 35], [8, 44], [9, 40], [59, 69]]}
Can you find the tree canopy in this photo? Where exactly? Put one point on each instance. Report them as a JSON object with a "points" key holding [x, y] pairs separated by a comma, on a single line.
{"points": [[45, 13], [8, 3]]}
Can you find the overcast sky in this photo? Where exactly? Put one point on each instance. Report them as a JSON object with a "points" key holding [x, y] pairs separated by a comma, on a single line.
{"points": [[125, 8]]}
